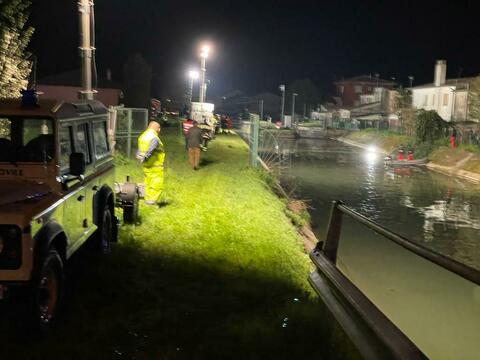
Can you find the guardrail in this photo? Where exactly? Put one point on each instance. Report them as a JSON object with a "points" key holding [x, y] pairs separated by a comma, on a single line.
{"points": [[375, 335]]}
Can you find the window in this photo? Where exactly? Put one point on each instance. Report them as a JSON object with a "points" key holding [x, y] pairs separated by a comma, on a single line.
{"points": [[65, 140], [100, 139], [5, 129], [33, 128], [82, 142], [26, 140], [358, 89], [445, 99]]}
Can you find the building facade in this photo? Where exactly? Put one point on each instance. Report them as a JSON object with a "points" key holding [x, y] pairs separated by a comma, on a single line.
{"points": [[448, 97], [350, 91]]}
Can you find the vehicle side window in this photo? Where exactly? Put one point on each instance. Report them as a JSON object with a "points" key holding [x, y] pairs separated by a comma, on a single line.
{"points": [[82, 142], [5, 129], [100, 139], [65, 139]]}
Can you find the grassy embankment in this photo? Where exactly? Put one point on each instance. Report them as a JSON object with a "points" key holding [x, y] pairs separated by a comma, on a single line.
{"points": [[217, 272], [465, 157]]}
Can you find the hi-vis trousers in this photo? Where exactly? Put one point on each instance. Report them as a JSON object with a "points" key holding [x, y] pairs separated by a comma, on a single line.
{"points": [[153, 182]]}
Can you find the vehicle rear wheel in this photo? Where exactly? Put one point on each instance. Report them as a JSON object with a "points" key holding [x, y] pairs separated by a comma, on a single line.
{"points": [[106, 233], [47, 291]]}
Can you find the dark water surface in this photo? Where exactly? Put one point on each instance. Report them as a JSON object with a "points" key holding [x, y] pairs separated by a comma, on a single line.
{"points": [[440, 212]]}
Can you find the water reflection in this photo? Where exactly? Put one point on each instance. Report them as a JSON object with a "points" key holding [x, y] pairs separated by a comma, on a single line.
{"points": [[439, 211]]}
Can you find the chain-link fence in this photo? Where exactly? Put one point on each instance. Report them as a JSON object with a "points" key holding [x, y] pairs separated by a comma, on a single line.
{"points": [[129, 124], [266, 145]]}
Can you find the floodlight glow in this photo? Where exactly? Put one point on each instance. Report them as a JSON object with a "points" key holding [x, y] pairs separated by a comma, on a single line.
{"points": [[372, 149], [192, 74], [205, 51]]}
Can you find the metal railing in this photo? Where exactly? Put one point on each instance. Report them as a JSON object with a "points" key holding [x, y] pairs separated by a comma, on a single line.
{"points": [[375, 335], [330, 246]]}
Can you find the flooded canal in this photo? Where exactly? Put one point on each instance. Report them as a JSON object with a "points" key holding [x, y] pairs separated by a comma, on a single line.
{"points": [[437, 310], [440, 212]]}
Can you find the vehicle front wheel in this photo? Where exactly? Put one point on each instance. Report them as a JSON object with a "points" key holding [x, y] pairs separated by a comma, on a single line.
{"points": [[47, 291]]}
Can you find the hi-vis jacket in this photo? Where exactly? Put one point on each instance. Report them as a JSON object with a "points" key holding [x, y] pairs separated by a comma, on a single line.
{"points": [[150, 149]]}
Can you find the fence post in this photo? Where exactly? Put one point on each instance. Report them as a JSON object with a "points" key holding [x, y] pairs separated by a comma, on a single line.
{"points": [[254, 126], [129, 134], [330, 246]]}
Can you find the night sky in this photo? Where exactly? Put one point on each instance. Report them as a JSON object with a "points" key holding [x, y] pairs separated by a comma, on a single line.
{"points": [[261, 44]]}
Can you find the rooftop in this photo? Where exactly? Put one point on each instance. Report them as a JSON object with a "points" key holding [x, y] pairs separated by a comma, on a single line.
{"points": [[366, 79], [72, 78], [450, 82]]}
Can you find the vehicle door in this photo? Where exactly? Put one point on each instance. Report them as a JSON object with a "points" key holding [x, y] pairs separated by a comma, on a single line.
{"points": [[103, 168], [73, 139]]}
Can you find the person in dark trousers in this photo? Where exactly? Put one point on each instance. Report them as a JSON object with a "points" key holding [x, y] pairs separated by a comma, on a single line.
{"points": [[194, 142]]}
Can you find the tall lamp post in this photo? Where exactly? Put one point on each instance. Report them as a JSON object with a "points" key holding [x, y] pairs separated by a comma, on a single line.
{"points": [[294, 95], [87, 48], [203, 60], [282, 115]]}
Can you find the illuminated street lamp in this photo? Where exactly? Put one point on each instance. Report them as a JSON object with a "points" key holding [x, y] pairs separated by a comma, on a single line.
{"points": [[282, 115], [203, 60]]}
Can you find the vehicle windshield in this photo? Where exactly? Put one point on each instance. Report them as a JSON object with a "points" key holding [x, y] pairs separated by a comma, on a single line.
{"points": [[26, 140]]}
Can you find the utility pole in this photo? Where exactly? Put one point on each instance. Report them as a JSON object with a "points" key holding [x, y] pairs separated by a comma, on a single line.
{"points": [[85, 11], [282, 116]]}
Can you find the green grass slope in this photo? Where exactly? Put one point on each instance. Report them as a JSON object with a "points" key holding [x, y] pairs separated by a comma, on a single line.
{"points": [[218, 272]]}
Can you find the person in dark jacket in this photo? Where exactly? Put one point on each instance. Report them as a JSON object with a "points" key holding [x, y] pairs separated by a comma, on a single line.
{"points": [[194, 142]]}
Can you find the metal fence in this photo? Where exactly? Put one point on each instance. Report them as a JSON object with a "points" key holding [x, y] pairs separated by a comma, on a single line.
{"points": [[129, 124], [266, 145]]}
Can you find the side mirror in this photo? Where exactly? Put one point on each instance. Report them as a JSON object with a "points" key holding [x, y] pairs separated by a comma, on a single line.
{"points": [[77, 164]]}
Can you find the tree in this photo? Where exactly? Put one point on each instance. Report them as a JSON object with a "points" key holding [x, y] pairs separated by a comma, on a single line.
{"points": [[429, 126], [308, 96], [137, 76], [406, 113], [14, 38], [474, 99]]}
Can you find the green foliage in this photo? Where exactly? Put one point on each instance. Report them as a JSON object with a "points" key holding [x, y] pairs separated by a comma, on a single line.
{"points": [[429, 127], [474, 99], [470, 148], [14, 38], [137, 75], [308, 94]]}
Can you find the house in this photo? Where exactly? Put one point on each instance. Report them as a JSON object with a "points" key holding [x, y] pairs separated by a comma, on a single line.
{"points": [[448, 97], [349, 91], [66, 86]]}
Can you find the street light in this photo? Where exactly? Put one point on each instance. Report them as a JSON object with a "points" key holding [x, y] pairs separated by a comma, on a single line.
{"points": [[192, 76], [282, 116], [205, 51], [293, 108], [411, 78]]}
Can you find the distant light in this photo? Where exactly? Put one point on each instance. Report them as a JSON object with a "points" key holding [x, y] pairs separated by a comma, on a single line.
{"points": [[192, 74]]}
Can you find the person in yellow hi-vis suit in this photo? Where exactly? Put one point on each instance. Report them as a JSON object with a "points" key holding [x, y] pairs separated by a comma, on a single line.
{"points": [[152, 155]]}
